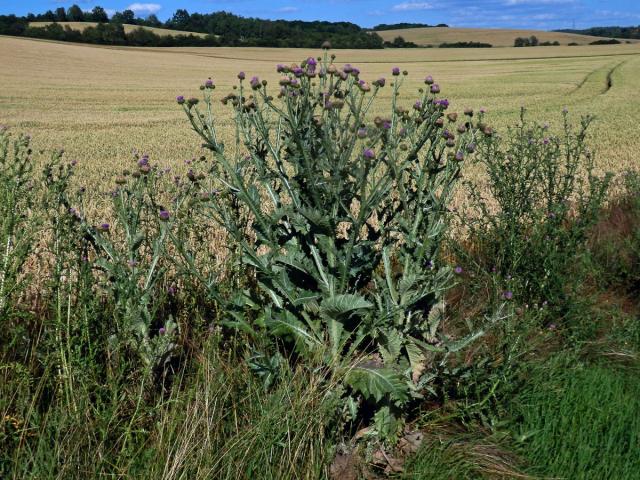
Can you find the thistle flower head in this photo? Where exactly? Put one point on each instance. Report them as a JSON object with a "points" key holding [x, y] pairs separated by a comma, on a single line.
{"points": [[164, 215], [241, 76], [380, 82], [368, 154], [435, 88], [104, 227], [428, 80], [395, 71], [255, 83], [180, 99], [208, 83]]}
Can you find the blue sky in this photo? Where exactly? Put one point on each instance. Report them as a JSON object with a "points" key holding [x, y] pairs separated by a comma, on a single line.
{"points": [[538, 14]]}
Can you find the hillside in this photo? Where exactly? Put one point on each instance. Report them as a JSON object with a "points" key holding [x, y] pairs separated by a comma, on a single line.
{"points": [[80, 26], [497, 37]]}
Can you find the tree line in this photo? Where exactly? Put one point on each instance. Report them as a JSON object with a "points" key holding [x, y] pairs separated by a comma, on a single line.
{"points": [[221, 29], [614, 32]]}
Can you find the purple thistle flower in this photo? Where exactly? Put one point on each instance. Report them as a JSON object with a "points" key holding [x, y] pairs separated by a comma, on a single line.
{"points": [[311, 62], [74, 163], [172, 290], [355, 72], [428, 80], [180, 99], [255, 83], [507, 295], [417, 105], [104, 227], [280, 68], [395, 71], [162, 331], [458, 270], [164, 215], [386, 124], [368, 154], [545, 141], [298, 72], [435, 88], [208, 83], [347, 68], [483, 110], [132, 263], [362, 133], [241, 76], [459, 156], [380, 82]]}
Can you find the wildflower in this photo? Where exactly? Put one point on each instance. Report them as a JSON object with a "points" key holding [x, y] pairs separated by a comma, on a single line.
{"points": [[255, 83], [172, 290], [443, 103], [386, 124], [192, 101], [281, 68], [428, 80], [362, 132], [326, 45], [545, 141], [364, 86], [379, 82], [132, 263], [162, 331], [164, 215], [462, 128], [347, 68], [145, 169], [180, 99], [298, 72], [311, 62], [507, 295], [241, 76], [104, 227], [417, 105], [468, 112], [368, 154], [483, 110], [458, 270], [471, 147], [459, 156], [355, 72], [208, 83], [395, 71], [452, 117]]}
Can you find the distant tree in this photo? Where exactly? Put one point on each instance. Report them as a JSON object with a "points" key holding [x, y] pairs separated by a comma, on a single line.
{"points": [[61, 14], [98, 14], [533, 40], [75, 14], [128, 17], [48, 16], [180, 19], [152, 21]]}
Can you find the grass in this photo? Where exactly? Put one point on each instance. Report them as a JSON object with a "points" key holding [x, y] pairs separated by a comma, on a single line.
{"points": [[127, 28], [581, 423], [497, 37]]}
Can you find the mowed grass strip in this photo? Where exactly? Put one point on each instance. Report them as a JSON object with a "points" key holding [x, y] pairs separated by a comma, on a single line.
{"points": [[434, 36], [81, 26]]}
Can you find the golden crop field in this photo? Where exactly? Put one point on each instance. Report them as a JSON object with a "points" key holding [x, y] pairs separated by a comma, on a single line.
{"points": [[99, 103], [127, 28], [497, 37]]}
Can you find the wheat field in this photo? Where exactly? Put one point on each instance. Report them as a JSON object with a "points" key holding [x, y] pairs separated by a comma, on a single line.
{"points": [[100, 103], [434, 36]]}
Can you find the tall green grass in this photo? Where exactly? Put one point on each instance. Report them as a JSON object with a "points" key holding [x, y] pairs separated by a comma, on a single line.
{"points": [[580, 422]]}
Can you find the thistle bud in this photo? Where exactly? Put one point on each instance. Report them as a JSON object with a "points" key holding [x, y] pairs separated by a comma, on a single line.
{"points": [[435, 88], [180, 99], [164, 215], [368, 154], [395, 71], [208, 83], [468, 112], [326, 45], [428, 80], [452, 117]]}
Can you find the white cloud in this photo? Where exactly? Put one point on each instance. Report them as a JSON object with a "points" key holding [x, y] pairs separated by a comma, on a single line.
{"points": [[407, 6], [144, 8], [288, 9], [110, 12]]}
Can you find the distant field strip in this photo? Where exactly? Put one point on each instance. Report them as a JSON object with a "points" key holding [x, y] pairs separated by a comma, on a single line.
{"points": [[99, 103]]}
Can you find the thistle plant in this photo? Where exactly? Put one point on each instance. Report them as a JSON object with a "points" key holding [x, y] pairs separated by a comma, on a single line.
{"points": [[530, 225], [347, 214], [18, 225], [131, 257]]}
